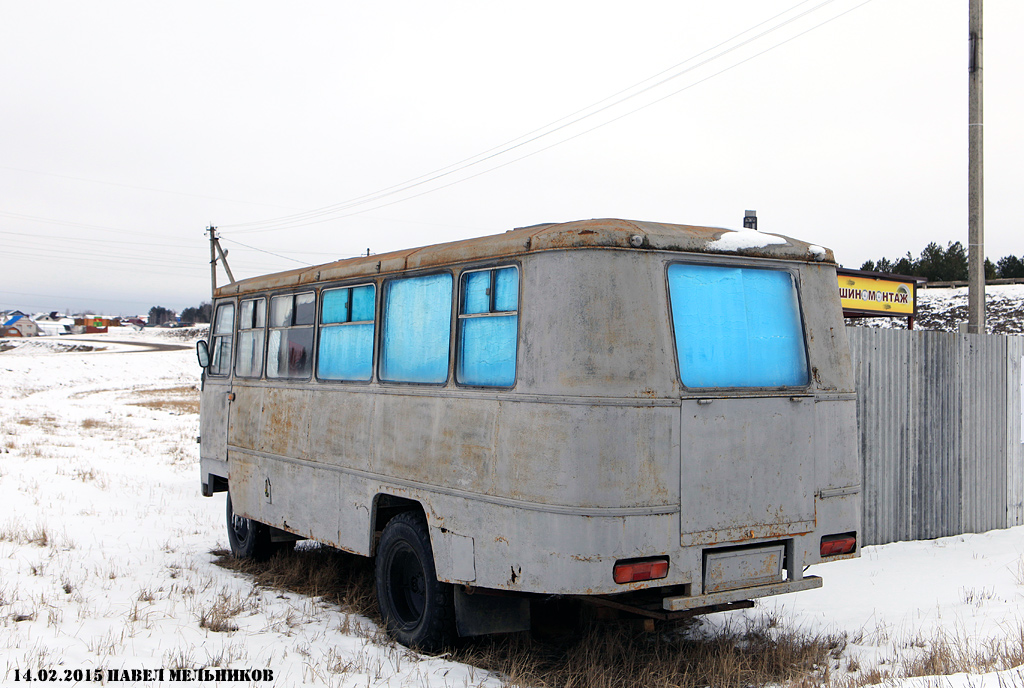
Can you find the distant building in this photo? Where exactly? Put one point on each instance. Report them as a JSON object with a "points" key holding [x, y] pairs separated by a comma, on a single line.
{"points": [[52, 324], [94, 324], [19, 325]]}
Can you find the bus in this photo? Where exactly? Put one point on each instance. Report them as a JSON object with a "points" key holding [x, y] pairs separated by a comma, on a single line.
{"points": [[655, 418]]}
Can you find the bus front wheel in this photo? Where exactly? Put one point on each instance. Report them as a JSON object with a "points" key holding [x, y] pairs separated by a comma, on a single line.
{"points": [[418, 610], [248, 539]]}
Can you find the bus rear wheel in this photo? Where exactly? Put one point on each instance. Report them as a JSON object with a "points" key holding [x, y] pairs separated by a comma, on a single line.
{"points": [[248, 539], [418, 610]]}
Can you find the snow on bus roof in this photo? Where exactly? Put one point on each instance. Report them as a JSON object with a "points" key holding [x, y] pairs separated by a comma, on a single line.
{"points": [[601, 233]]}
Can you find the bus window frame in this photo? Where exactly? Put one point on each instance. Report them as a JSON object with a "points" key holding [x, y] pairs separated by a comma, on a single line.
{"points": [[377, 330], [270, 328], [238, 335], [458, 316], [794, 274], [230, 368], [380, 329]]}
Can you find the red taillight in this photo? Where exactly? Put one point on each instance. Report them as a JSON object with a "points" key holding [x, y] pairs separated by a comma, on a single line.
{"points": [[640, 570], [833, 545]]}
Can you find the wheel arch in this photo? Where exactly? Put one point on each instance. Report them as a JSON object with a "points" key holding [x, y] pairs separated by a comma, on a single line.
{"points": [[385, 507]]}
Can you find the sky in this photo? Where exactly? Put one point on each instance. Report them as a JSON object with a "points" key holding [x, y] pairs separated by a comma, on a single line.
{"points": [[129, 127]]}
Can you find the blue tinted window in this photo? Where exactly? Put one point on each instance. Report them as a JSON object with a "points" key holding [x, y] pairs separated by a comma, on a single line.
{"points": [[736, 327], [362, 303], [417, 329], [506, 283], [476, 292], [488, 328], [351, 304], [345, 351], [335, 306]]}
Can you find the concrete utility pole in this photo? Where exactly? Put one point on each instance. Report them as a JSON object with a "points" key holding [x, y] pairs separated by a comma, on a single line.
{"points": [[975, 180], [216, 250], [212, 231]]}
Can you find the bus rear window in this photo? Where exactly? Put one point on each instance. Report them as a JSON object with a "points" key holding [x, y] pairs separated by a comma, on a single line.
{"points": [[736, 327]]}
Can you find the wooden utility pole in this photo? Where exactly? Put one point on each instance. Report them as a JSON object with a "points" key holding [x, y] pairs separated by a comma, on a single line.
{"points": [[975, 179]]}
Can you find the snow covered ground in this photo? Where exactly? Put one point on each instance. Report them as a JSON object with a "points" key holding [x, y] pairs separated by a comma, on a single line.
{"points": [[105, 547]]}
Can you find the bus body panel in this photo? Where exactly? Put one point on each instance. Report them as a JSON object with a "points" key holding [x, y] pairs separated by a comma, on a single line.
{"points": [[597, 454], [752, 472]]}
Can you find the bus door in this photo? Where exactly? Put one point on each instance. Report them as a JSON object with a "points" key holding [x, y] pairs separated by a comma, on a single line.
{"points": [[747, 469], [747, 424], [217, 393]]}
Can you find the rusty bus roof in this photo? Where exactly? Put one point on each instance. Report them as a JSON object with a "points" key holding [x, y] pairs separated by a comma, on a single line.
{"points": [[604, 233]]}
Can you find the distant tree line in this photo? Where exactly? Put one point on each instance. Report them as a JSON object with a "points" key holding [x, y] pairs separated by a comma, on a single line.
{"points": [[158, 315], [948, 264], [198, 314]]}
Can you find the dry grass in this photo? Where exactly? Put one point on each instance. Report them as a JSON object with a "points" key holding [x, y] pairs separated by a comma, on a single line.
{"points": [[19, 533], [180, 658], [338, 577], [608, 654], [97, 424], [602, 654], [44, 421], [596, 654], [944, 656], [177, 400], [218, 618]]}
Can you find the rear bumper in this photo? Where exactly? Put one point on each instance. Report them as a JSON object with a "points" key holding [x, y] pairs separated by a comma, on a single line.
{"points": [[684, 603]]}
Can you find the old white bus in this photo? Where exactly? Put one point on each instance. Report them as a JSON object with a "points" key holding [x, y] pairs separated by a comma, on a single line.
{"points": [[658, 417]]}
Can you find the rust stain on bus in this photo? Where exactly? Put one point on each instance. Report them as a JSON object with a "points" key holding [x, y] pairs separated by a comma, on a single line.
{"points": [[603, 233]]}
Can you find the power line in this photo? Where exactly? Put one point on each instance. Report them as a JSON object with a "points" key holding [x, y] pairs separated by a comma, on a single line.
{"points": [[69, 298], [68, 223], [301, 262], [144, 188], [93, 259], [96, 241], [584, 132], [547, 130]]}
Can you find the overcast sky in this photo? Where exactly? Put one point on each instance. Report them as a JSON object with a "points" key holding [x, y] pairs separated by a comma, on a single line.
{"points": [[128, 127]]}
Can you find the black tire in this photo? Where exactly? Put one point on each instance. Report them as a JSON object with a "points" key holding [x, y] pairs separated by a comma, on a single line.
{"points": [[248, 539], [418, 610]]}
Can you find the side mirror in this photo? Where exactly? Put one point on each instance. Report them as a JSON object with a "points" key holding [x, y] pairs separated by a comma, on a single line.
{"points": [[203, 353]]}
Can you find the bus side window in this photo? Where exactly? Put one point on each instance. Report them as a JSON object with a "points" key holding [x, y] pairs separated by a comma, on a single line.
{"points": [[223, 326], [345, 351], [252, 318], [290, 346], [417, 329], [488, 328]]}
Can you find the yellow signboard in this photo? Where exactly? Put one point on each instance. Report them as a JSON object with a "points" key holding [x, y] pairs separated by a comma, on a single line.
{"points": [[884, 297]]}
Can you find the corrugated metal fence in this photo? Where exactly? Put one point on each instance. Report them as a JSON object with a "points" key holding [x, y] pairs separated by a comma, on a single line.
{"points": [[939, 416]]}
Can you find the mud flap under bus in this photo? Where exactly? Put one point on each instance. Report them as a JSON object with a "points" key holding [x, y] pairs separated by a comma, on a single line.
{"points": [[483, 612]]}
